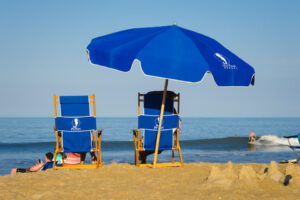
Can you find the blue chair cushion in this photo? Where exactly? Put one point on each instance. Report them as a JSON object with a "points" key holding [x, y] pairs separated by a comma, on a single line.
{"points": [[76, 141], [165, 142]]}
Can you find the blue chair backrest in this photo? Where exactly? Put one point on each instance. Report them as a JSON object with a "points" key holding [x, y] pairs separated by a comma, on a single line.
{"points": [[150, 120], [74, 106], [153, 100], [75, 123]]}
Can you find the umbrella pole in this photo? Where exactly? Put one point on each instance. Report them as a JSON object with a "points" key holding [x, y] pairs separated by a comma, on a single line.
{"points": [[160, 122]]}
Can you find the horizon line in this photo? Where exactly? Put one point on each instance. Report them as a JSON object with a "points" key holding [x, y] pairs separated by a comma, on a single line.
{"points": [[180, 116]]}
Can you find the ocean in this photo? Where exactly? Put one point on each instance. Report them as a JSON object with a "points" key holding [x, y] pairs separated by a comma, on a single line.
{"points": [[25, 140]]}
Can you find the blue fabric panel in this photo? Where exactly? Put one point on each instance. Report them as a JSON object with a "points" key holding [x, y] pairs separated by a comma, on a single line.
{"points": [[77, 141], [114, 46], [171, 52], [291, 136], [75, 123], [74, 105], [295, 147], [152, 122], [165, 142], [74, 99], [153, 101], [226, 68], [299, 138], [152, 106]]}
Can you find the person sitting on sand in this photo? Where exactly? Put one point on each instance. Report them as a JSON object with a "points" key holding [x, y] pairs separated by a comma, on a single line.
{"points": [[40, 166], [143, 155], [72, 159], [252, 137]]}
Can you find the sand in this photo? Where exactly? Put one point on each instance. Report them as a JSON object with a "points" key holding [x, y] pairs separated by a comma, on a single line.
{"points": [[125, 181]]}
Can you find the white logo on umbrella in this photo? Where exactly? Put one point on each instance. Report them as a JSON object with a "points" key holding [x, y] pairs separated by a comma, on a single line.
{"points": [[221, 58], [225, 61]]}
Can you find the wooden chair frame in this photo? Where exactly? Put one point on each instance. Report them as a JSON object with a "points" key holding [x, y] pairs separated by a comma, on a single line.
{"points": [[96, 138], [138, 139]]}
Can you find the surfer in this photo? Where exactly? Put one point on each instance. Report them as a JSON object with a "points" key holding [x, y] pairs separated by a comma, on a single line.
{"points": [[252, 137]]}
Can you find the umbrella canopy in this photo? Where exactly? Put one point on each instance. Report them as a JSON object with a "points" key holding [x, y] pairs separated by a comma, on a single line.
{"points": [[171, 52]]}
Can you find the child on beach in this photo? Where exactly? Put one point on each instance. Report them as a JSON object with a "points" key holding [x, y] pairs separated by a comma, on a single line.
{"points": [[40, 166]]}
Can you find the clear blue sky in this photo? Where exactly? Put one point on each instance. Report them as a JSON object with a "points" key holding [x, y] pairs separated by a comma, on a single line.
{"points": [[43, 45]]}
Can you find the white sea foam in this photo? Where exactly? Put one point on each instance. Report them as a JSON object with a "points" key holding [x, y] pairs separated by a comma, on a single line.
{"points": [[275, 140]]}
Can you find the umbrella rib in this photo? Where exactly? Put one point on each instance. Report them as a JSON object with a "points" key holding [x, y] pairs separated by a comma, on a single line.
{"points": [[184, 32], [151, 35]]}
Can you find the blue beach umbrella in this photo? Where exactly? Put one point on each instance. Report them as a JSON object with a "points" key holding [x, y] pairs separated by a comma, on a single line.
{"points": [[170, 52]]}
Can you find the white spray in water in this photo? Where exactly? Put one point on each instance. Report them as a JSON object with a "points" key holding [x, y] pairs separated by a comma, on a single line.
{"points": [[275, 140]]}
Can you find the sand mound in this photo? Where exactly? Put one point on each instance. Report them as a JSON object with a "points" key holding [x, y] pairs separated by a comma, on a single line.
{"points": [[274, 173], [223, 177], [247, 173], [248, 176]]}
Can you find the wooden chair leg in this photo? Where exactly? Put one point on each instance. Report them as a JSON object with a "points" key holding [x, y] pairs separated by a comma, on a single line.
{"points": [[54, 161], [173, 156], [180, 156], [136, 154]]}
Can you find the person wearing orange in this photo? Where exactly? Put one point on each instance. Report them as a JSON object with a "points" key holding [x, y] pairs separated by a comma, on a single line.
{"points": [[252, 137]]}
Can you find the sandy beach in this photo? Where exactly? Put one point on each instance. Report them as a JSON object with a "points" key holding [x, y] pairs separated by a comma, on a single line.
{"points": [[125, 181]]}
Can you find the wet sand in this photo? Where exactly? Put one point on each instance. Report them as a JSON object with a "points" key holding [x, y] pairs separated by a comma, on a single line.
{"points": [[125, 181]]}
